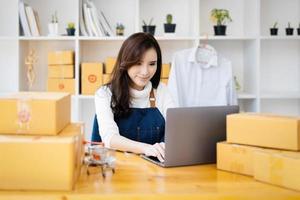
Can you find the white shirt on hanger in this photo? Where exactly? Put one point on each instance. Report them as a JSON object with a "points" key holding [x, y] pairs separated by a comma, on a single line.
{"points": [[201, 77]]}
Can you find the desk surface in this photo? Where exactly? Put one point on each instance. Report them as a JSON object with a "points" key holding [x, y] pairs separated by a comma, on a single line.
{"points": [[136, 178]]}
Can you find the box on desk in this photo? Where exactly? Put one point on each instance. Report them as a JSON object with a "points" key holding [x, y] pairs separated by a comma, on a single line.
{"points": [[91, 77], [236, 158], [41, 162], [61, 85], [61, 58], [61, 71], [264, 130], [279, 168], [34, 113], [109, 65]]}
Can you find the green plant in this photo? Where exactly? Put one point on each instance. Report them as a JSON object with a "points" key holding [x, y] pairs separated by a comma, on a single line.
{"points": [[71, 25], [289, 25], [275, 25], [220, 16], [54, 18], [145, 24], [169, 18]]}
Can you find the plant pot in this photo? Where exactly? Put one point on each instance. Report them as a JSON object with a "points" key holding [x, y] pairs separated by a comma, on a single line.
{"points": [[71, 31], [220, 30], [53, 29], [289, 31], [298, 31], [149, 29], [119, 32], [169, 28], [274, 31]]}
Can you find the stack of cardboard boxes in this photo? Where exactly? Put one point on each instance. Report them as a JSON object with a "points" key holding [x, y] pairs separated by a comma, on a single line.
{"points": [[61, 72], [263, 146], [109, 66], [39, 148]]}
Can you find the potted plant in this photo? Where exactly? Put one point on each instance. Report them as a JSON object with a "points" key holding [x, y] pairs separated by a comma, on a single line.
{"points": [[148, 28], [274, 29], [289, 30], [71, 29], [220, 17], [120, 29], [53, 25], [169, 27], [298, 29]]}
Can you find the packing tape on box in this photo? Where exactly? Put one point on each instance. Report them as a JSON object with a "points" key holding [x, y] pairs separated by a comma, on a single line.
{"points": [[276, 167], [24, 114]]}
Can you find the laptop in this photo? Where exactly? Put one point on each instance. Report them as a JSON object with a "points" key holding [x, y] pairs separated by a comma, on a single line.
{"points": [[191, 134]]}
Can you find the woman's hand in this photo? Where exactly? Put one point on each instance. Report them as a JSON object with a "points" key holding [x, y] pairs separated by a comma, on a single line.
{"points": [[156, 150]]}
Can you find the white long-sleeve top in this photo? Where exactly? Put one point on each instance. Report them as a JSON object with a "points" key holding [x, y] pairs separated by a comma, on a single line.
{"points": [[140, 99], [193, 82]]}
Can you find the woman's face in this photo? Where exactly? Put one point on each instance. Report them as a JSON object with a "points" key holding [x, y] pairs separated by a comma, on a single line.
{"points": [[141, 73]]}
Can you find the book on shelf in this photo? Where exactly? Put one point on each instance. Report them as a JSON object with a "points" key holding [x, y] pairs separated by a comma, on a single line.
{"points": [[93, 22], [32, 21], [23, 19]]}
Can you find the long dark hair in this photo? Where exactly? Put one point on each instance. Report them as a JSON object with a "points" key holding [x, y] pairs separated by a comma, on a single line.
{"points": [[131, 53]]}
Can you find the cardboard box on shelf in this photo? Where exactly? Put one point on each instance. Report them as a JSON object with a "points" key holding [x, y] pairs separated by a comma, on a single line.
{"points": [[164, 80], [91, 77], [165, 70], [61, 71], [280, 132], [61, 58], [61, 85], [109, 65], [34, 113], [106, 78], [41, 163]]}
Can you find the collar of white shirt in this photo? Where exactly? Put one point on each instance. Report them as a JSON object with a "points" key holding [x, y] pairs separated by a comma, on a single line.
{"points": [[204, 56]]}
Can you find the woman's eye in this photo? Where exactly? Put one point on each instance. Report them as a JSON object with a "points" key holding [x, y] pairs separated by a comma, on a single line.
{"points": [[152, 64], [139, 63]]}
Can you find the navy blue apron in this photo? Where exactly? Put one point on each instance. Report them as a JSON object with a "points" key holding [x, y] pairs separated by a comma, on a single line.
{"points": [[145, 125]]}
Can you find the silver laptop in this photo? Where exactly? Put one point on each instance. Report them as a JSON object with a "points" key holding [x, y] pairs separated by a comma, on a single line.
{"points": [[191, 135]]}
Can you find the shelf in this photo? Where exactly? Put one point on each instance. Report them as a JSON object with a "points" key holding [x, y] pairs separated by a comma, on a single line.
{"points": [[292, 37], [280, 95], [46, 38], [227, 37], [3, 38], [243, 95], [88, 97], [88, 38]]}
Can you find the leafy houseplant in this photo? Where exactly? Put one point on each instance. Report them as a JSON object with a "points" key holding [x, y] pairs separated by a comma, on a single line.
{"points": [[274, 29], [71, 29], [53, 25], [220, 17], [298, 29], [289, 30], [169, 27], [120, 29], [148, 28]]}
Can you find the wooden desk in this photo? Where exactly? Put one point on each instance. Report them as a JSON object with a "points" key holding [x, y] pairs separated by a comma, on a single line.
{"points": [[136, 178]]}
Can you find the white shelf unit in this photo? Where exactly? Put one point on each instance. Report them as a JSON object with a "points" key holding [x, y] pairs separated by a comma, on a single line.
{"points": [[267, 67]]}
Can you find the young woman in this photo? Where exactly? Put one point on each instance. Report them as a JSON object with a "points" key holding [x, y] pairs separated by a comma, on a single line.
{"points": [[130, 110]]}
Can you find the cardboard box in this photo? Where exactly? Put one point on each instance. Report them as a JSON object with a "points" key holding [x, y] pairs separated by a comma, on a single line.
{"points": [[61, 71], [61, 58], [165, 70], [41, 163], [91, 77], [164, 80], [236, 158], [106, 78], [109, 65], [61, 85], [278, 132], [278, 168], [34, 113]]}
